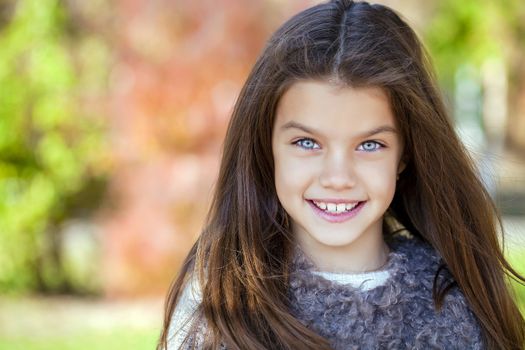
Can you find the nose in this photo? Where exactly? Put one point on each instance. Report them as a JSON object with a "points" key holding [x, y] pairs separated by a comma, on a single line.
{"points": [[338, 172]]}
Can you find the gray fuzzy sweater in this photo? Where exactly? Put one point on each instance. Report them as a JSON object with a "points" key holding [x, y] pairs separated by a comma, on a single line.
{"points": [[399, 314]]}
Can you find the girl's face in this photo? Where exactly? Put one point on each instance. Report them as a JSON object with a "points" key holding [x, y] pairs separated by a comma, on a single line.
{"points": [[337, 154]]}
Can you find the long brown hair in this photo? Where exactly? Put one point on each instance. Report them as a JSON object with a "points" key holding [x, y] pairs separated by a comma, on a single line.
{"points": [[242, 254]]}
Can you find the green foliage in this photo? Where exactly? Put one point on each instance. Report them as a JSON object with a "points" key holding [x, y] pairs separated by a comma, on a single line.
{"points": [[517, 260], [50, 149], [471, 31]]}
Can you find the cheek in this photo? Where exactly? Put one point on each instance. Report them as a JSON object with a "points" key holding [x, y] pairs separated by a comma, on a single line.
{"points": [[292, 174], [380, 179]]}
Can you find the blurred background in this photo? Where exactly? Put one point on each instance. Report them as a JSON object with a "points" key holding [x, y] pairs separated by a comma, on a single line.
{"points": [[112, 116]]}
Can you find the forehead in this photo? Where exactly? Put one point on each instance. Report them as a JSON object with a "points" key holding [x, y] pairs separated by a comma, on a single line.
{"points": [[335, 109]]}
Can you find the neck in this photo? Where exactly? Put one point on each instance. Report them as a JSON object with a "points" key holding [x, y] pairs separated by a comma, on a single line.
{"points": [[366, 254]]}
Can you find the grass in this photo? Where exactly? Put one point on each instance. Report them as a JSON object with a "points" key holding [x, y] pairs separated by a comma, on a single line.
{"points": [[112, 339], [66, 323]]}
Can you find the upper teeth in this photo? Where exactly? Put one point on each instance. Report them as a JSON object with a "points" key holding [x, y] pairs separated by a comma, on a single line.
{"points": [[335, 208]]}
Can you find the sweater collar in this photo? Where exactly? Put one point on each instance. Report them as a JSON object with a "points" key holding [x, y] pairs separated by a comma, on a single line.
{"points": [[407, 256]]}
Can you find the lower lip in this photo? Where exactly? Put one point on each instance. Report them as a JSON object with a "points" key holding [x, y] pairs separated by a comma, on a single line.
{"points": [[347, 215]]}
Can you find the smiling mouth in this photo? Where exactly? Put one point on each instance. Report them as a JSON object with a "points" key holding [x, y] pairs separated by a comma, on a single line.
{"points": [[335, 208]]}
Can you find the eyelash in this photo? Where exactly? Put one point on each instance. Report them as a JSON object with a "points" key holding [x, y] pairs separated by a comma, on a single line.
{"points": [[297, 143], [380, 145]]}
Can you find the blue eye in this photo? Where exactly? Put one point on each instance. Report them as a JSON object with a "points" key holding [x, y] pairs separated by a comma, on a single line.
{"points": [[371, 146], [306, 143]]}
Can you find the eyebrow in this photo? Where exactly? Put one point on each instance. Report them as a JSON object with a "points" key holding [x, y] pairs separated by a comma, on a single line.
{"points": [[379, 129]]}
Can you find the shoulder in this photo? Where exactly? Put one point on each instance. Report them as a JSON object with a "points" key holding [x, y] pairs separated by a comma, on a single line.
{"points": [[457, 322], [413, 263], [454, 324], [184, 314], [414, 249]]}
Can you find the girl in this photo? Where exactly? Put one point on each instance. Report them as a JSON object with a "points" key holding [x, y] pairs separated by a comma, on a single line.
{"points": [[347, 214]]}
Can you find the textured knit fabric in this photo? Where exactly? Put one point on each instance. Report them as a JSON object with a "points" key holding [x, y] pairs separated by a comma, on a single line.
{"points": [[192, 295], [397, 314]]}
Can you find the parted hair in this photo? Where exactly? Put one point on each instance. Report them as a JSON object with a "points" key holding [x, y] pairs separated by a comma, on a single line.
{"points": [[242, 256]]}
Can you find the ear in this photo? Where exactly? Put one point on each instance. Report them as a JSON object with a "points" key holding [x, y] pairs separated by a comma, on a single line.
{"points": [[402, 164]]}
